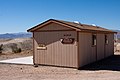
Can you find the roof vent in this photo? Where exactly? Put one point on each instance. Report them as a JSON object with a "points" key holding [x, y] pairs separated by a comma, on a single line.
{"points": [[77, 22], [94, 25]]}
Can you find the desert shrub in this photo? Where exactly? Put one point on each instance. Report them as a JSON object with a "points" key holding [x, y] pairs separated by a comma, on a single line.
{"points": [[19, 50], [1, 48], [15, 49]]}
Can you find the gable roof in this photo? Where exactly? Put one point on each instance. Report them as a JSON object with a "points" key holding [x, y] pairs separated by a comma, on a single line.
{"points": [[73, 25]]}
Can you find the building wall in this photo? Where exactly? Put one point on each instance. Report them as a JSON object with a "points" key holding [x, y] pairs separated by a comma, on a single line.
{"points": [[57, 54], [87, 52], [110, 46], [100, 46]]}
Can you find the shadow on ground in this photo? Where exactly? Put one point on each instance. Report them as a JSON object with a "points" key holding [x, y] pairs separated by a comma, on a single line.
{"points": [[110, 63]]}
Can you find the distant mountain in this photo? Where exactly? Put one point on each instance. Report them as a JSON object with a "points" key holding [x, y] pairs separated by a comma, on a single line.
{"points": [[16, 35], [118, 33], [28, 35]]}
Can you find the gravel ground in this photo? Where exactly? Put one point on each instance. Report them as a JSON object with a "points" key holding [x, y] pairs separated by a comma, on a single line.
{"points": [[25, 72], [107, 70]]}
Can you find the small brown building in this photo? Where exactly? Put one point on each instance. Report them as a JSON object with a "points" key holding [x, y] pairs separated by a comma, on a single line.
{"points": [[70, 44]]}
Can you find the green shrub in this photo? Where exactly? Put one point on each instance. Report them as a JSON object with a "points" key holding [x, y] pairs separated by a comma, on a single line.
{"points": [[1, 48]]}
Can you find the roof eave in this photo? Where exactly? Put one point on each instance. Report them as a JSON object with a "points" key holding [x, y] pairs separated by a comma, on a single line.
{"points": [[97, 31], [70, 26], [52, 20]]}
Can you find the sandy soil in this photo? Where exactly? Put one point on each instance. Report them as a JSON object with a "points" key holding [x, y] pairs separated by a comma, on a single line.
{"points": [[107, 69]]}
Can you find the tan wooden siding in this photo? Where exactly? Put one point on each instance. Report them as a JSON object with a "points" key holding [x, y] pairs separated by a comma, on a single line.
{"points": [[110, 46], [33, 43], [57, 53], [87, 52], [100, 46], [54, 26]]}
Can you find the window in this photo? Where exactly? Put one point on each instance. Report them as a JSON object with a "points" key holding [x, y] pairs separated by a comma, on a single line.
{"points": [[94, 39], [106, 39]]}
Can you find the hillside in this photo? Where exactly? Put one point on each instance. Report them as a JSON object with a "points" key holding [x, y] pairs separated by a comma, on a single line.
{"points": [[23, 43], [118, 33], [15, 35]]}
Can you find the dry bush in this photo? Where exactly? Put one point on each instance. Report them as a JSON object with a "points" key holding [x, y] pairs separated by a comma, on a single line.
{"points": [[17, 45], [15, 49], [1, 48]]}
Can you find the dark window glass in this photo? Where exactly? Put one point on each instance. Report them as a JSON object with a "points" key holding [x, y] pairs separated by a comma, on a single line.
{"points": [[94, 39], [106, 39]]}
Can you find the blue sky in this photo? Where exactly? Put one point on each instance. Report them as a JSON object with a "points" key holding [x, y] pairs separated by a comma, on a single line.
{"points": [[20, 15]]}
